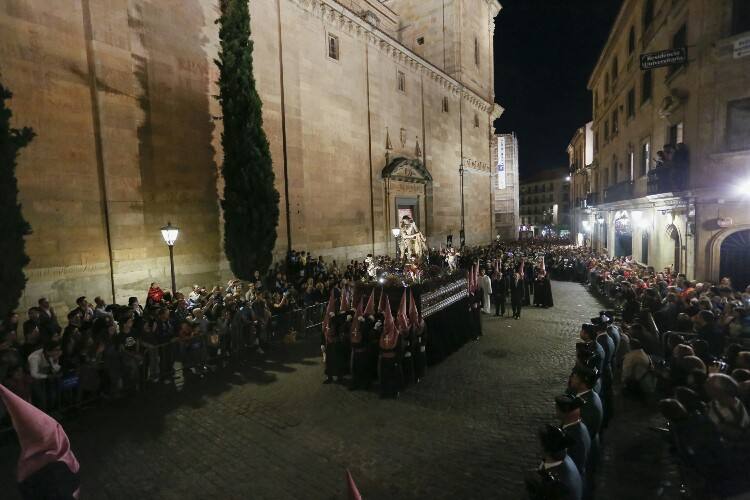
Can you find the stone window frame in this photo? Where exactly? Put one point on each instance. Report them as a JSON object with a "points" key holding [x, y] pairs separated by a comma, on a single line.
{"points": [[476, 120], [446, 108], [331, 37], [476, 51], [400, 81]]}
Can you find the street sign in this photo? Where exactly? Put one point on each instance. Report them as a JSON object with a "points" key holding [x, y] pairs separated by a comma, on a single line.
{"points": [[670, 57], [742, 47]]}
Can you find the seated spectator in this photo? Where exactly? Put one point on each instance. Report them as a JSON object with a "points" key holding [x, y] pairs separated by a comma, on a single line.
{"points": [[638, 375], [155, 295], [726, 410]]}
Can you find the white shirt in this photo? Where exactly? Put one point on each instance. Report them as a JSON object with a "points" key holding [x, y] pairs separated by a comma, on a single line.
{"points": [[40, 366]]}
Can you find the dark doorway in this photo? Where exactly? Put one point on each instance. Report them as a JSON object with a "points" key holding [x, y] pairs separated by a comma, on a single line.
{"points": [[735, 254], [674, 234], [623, 237]]}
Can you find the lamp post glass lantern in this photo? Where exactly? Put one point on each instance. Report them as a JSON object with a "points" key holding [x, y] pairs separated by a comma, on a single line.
{"points": [[170, 234]]}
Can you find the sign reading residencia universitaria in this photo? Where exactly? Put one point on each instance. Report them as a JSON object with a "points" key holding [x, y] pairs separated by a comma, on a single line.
{"points": [[661, 58]]}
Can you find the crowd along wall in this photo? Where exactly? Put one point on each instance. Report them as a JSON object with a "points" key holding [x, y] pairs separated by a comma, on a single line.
{"points": [[121, 92]]}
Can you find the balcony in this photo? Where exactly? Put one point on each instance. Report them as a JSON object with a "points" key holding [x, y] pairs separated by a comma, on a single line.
{"points": [[665, 180], [592, 199], [618, 192]]}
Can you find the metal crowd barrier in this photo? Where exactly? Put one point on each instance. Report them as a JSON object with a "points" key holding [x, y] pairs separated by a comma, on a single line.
{"points": [[114, 372]]}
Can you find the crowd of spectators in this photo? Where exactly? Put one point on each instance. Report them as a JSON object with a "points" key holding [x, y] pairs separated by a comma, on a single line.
{"points": [[101, 349], [679, 344]]}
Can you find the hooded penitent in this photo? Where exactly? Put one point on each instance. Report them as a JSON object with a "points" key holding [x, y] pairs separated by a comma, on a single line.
{"points": [[356, 332], [330, 313], [389, 338], [44, 447], [402, 319]]}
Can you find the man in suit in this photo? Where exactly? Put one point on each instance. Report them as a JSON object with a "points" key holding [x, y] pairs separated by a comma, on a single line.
{"points": [[517, 294], [556, 477], [500, 285], [568, 409]]}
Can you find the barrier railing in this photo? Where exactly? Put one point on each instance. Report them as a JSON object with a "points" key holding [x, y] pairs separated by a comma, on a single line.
{"points": [[116, 370]]}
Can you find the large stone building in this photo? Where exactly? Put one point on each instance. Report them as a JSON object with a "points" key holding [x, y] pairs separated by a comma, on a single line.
{"points": [[681, 209], [505, 186], [545, 203], [370, 106]]}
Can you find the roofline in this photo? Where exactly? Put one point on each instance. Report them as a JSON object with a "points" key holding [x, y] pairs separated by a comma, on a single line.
{"points": [[608, 45]]}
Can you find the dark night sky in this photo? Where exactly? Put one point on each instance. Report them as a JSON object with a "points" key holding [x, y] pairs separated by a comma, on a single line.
{"points": [[545, 51]]}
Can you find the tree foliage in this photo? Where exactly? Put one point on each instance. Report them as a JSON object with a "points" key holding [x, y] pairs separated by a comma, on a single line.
{"points": [[13, 227], [250, 202]]}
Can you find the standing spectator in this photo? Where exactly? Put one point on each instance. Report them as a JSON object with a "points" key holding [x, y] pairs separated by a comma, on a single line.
{"points": [[45, 369]]}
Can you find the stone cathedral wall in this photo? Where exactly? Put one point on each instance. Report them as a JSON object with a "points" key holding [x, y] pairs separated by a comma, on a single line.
{"points": [[120, 94]]}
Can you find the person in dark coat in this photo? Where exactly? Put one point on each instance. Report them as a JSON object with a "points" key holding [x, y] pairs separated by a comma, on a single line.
{"points": [[608, 347], [557, 477], [360, 358], [517, 294], [528, 280], [581, 384], [391, 353], [500, 286], [569, 414], [588, 335]]}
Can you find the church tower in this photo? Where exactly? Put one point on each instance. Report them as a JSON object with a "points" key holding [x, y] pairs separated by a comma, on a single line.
{"points": [[454, 35]]}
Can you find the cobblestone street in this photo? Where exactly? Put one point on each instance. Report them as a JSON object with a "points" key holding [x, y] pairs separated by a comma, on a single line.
{"points": [[270, 429]]}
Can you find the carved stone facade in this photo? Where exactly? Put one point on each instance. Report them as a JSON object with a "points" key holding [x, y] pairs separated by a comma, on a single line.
{"points": [[120, 95]]}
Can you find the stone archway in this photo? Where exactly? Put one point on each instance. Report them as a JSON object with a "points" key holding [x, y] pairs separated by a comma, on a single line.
{"points": [[734, 255], [407, 183], [674, 235], [713, 255]]}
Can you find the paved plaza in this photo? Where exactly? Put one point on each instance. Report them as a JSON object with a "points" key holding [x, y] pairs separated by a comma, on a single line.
{"points": [[270, 429]]}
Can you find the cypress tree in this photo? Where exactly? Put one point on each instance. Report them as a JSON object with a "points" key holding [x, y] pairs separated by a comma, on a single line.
{"points": [[250, 202], [13, 227]]}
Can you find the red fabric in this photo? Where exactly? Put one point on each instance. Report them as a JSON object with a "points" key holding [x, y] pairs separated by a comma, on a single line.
{"points": [[370, 308], [402, 318], [344, 300], [155, 294], [352, 487], [390, 334], [413, 312], [330, 308], [43, 441]]}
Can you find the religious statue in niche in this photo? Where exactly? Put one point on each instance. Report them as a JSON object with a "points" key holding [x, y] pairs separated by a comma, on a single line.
{"points": [[413, 242]]}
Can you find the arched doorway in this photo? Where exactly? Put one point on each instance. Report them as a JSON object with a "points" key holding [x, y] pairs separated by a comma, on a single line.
{"points": [[674, 235], [623, 235], [735, 254]]}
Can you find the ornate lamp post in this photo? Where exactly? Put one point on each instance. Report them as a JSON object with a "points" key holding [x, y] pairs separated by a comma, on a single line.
{"points": [[396, 232], [170, 233]]}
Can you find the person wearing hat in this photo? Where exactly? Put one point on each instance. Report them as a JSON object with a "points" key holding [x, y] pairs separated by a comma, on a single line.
{"points": [[568, 409], [557, 477], [588, 335], [608, 346], [580, 384]]}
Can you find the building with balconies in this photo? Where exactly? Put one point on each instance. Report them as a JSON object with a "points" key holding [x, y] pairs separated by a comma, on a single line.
{"points": [[670, 174], [545, 203], [581, 157]]}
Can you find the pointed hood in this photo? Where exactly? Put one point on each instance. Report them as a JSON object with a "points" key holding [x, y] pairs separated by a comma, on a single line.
{"points": [[383, 303], [370, 308], [402, 318], [344, 306], [355, 332], [330, 310], [352, 487], [43, 441], [413, 311], [389, 336]]}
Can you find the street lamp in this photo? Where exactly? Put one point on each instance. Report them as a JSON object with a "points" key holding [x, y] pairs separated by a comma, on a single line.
{"points": [[396, 232], [170, 233]]}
